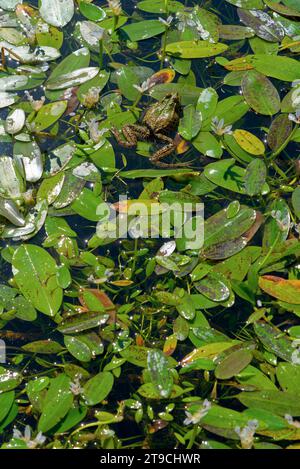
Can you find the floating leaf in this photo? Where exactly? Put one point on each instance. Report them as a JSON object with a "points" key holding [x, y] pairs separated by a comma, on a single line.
{"points": [[98, 388], [262, 24], [284, 290], [82, 322], [190, 124], [143, 30], [233, 364], [161, 377], [249, 142], [195, 50], [260, 93], [35, 275], [57, 12], [255, 177], [57, 402], [48, 115]]}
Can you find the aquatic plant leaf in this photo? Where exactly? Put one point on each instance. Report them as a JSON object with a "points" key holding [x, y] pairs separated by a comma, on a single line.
{"points": [[214, 287], [57, 12], [280, 403], [56, 403], [262, 24], [280, 67], [48, 115], [247, 4], [29, 155], [284, 290], [143, 30], [161, 377], [219, 228], [279, 131], [11, 212], [282, 9], [35, 274], [288, 376], [6, 402], [75, 78], [98, 388], [91, 11], [190, 123], [195, 49], [227, 174], [252, 376], [77, 348], [159, 6], [255, 177], [11, 181], [260, 93], [296, 201], [9, 380], [207, 143], [43, 347], [249, 142], [274, 341], [9, 5], [277, 226], [233, 364], [82, 322]]}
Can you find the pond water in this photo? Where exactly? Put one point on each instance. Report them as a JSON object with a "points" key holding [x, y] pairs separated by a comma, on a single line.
{"points": [[174, 333]]}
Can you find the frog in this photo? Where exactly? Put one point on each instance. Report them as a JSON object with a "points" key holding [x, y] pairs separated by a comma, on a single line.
{"points": [[159, 121]]}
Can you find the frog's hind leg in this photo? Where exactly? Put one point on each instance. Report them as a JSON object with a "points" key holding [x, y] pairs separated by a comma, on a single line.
{"points": [[130, 135], [166, 150]]}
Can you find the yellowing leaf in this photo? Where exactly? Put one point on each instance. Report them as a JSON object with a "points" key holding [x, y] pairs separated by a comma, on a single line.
{"points": [[249, 142], [280, 288]]}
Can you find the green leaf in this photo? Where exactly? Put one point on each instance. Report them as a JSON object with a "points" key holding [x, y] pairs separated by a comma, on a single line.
{"points": [[43, 347], [296, 201], [288, 376], [91, 11], [6, 402], [9, 380], [280, 403], [35, 275], [161, 377], [48, 115], [227, 174], [190, 123], [82, 322], [143, 30], [98, 388], [159, 6], [260, 93], [233, 364], [195, 49], [57, 403], [255, 177]]}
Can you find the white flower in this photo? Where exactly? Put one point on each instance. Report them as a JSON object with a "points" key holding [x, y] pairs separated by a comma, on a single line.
{"points": [[197, 416], [166, 22], [75, 386], [247, 433], [91, 98], [219, 128], [95, 133], [295, 83], [35, 104], [115, 6], [291, 421], [31, 444], [295, 117], [145, 86]]}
